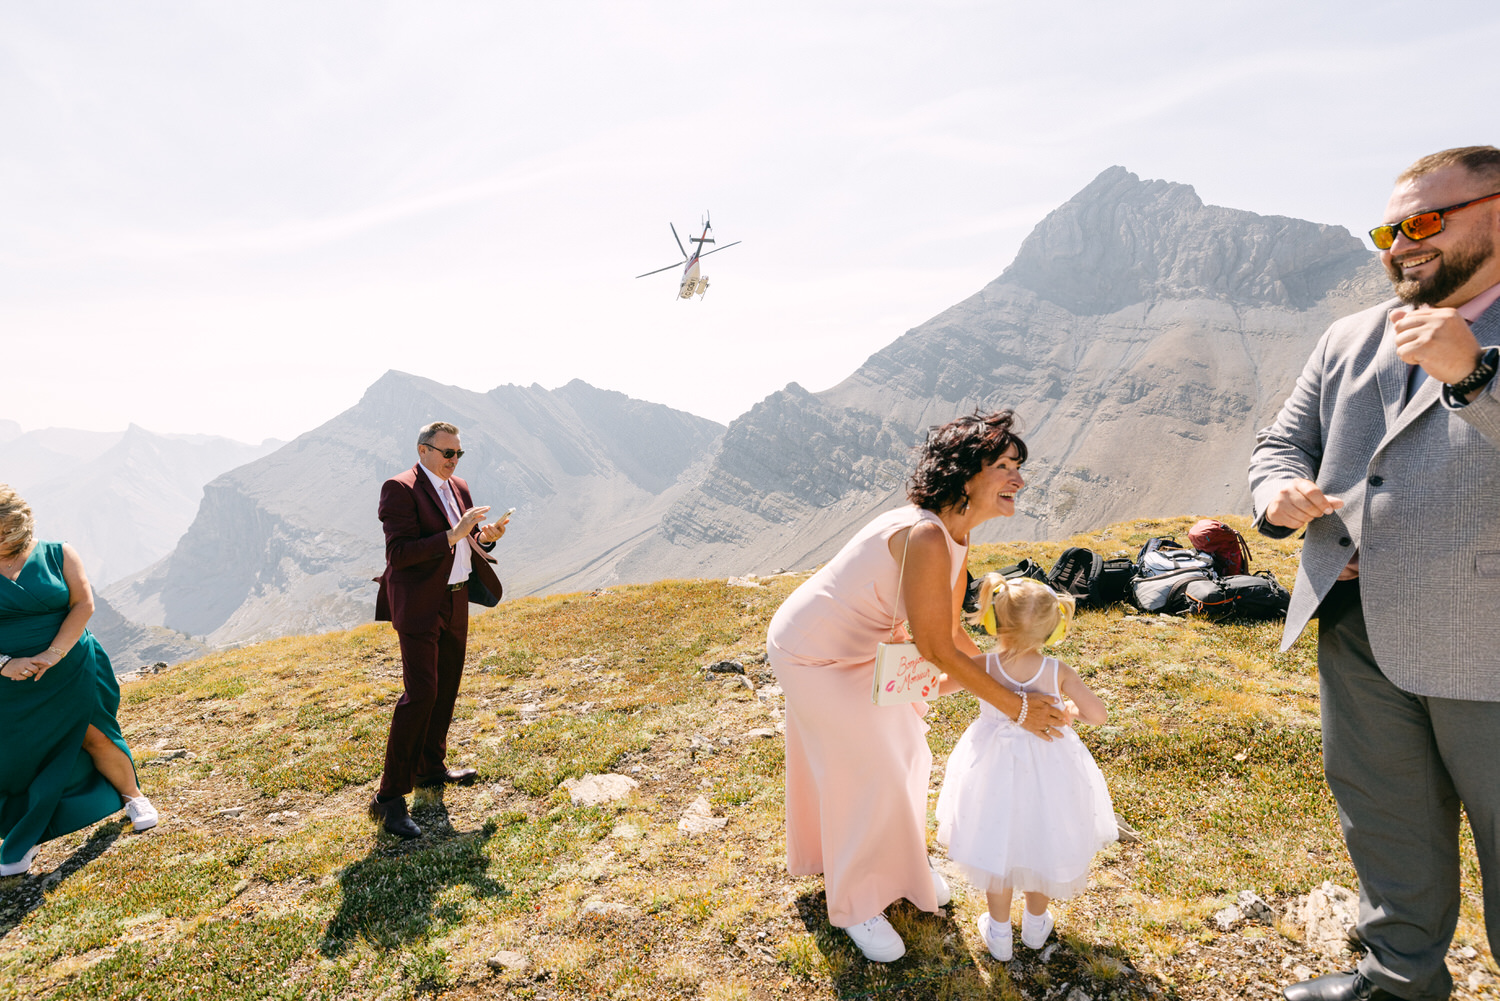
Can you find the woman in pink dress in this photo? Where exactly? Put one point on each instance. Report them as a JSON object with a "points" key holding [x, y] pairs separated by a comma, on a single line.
{"points": [[857, 773]]}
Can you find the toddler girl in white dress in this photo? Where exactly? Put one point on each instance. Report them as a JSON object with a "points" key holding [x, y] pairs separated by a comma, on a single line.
{"points": [[1018, 812]]}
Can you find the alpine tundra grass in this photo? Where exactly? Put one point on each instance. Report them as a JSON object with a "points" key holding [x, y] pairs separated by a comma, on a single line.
{"points": [[264, 880]]}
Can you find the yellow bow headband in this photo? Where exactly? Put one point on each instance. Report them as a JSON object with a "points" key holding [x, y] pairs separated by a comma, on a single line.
{"points": [[992, 625]]}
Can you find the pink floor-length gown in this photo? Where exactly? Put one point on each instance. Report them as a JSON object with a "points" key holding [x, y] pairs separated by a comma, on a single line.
{"points": [[856, 773]]}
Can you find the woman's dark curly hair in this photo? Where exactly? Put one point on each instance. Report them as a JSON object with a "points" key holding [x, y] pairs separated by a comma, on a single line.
{"points": [[955, 452]]}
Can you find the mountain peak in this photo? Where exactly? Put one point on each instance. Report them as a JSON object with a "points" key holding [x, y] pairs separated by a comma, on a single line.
{"points": [[1122, 240]]}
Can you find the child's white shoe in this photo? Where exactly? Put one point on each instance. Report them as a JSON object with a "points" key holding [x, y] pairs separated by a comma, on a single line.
{"points": [[940, 887], [996, 936], [1035, 928], [877, 940], [142, 814]]}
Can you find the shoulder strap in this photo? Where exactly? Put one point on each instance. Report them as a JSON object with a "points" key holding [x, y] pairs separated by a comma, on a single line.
{"points": [[901, 576]]}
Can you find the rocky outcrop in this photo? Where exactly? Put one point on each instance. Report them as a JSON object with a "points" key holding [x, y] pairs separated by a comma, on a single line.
{"points": [[1122, 241], [132, 646], [290, 543]]}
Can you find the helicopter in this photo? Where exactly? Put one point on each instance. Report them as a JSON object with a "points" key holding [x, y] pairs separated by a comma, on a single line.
{"points": [[693, 280]]}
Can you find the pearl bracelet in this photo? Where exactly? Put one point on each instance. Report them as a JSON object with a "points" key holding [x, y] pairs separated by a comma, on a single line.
{"points": [[1025, 705]]}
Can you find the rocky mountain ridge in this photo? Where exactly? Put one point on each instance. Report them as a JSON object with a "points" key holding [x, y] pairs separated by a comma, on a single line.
{"points": [[290, 543]]}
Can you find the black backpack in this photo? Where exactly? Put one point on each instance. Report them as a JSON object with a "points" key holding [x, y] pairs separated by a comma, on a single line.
{"points": [[1026, 568], [1239, 596], [1091, 579]]}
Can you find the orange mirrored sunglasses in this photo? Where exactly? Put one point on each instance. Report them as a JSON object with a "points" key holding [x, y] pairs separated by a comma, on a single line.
{"points": [[1419, 226]]}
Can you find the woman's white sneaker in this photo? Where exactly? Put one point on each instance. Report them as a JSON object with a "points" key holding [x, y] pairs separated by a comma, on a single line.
{"points": [[19, 868], [141, 813], [878, 940], [1035, 928], [996, 936]]}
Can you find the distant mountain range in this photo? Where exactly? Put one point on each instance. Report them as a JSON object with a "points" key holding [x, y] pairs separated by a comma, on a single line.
{"points": [[1141, 335], [122, 498], [289, 543]]}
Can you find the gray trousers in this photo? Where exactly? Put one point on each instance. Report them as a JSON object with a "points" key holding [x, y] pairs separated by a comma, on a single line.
{"points": [[1401, 766]]}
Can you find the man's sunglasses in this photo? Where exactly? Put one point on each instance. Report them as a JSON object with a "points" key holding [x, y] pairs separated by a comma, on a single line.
{"points": [[1420, 226], [447, 453]]}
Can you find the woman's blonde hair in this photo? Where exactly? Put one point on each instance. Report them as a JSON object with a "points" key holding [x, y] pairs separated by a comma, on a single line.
{"points": [[16, 522], [1025, 614]]}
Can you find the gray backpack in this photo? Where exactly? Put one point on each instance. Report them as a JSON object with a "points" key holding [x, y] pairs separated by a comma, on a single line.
{"points": [[1166, 592]]}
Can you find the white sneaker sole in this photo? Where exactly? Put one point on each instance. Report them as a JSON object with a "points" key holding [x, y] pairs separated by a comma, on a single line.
{"points": [[22, 867]]}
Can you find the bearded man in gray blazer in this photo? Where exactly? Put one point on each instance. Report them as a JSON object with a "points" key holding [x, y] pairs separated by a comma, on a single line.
{"points": [[1388, 453]]}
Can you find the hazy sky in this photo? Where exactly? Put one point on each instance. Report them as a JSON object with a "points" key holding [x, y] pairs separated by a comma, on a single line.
{"points": [[233, 217]]}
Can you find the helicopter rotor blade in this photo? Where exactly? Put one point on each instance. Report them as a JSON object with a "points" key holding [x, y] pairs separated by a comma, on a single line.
{"points": [[662, 269], [658, 271], [679, 241], [717, 249]]}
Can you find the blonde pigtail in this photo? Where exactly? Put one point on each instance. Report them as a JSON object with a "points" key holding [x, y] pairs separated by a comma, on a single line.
{"points": [[984, 614], [1067, 607]]}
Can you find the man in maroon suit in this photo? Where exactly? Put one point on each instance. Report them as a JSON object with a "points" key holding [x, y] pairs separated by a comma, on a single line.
{"points": [[436, 552]]}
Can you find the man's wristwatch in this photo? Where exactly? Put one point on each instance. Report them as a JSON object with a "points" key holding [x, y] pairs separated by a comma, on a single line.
{"points": [[1460, 391]]}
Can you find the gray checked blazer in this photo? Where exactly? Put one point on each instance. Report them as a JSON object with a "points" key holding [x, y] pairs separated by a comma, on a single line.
{"points": [[1421, 492]]}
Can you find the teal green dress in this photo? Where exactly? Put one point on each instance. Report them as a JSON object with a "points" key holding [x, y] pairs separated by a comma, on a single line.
{"points": [[48, 784]]}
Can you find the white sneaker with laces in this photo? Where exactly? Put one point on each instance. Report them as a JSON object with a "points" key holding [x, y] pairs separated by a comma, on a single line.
{"points": [[1035, 928], [940, 887], [996, 936], [877, 940], [142, 814], [19, 868]]}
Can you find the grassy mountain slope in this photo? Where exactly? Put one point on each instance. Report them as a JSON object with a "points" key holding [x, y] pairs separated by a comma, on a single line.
{"points": [[1211, 752]]}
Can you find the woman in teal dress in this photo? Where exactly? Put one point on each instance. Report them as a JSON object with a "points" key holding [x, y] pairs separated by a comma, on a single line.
{"points": [[64, 763]]}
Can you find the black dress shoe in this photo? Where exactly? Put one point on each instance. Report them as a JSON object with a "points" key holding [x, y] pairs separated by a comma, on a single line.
{"points": [[1337, 987], [394, 818], [457, 776]]}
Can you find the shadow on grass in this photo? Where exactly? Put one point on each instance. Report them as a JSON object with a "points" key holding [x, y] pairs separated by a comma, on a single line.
{"points": [[389, 897], [27, 893], [937, 964]]}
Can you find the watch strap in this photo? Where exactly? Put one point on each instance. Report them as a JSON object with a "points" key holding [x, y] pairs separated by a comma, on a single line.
{"points": [[1489, 362]]}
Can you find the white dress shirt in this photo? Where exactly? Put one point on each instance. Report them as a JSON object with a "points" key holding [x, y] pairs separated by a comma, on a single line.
{"points": [[455, 514]]}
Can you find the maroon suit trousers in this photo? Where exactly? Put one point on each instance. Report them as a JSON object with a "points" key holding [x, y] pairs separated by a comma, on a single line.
{"points": [[432, 664]]}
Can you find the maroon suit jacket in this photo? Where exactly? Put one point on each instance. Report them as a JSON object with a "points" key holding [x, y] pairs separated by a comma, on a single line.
{"points": [[418, 558]]}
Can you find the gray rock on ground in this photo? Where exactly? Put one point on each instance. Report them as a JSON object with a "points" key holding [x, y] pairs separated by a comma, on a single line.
{"points": [[1227, 917], [698, 818], [594, 790], [1254, 908], [1128, 835], [596, 908], [1328, 917], [506, 960]]}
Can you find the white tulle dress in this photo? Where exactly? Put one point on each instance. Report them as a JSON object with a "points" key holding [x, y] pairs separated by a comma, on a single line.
{"points": [[1020, 812]]}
